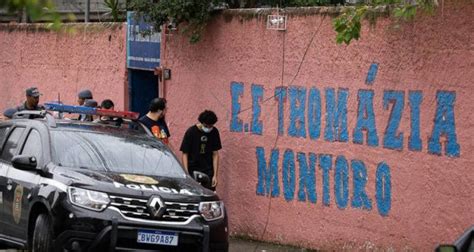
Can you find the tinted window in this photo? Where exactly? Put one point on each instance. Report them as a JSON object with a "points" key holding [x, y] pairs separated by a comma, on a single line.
{"points": [[11, 144], [3, 134], [33, 146], [136, 154]]}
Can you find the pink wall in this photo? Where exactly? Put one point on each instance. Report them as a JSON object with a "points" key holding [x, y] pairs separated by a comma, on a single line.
{"points": [[90, 57], [429, 198]]}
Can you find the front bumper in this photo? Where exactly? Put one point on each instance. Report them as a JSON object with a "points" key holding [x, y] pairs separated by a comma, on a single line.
{"points": [[81, 230]]}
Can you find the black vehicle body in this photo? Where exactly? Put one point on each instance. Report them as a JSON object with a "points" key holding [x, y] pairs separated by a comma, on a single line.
{"points": [[465, 243], [32, 194]]}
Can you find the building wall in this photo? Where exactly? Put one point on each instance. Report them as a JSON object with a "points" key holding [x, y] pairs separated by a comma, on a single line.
{"points": [[331, 146], [62, 64], [385, 124]]}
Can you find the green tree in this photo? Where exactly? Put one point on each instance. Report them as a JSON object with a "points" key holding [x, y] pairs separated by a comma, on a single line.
{"points": [[193, 15], [115, 9], [190, 16], [348, 24], [36, 10]]}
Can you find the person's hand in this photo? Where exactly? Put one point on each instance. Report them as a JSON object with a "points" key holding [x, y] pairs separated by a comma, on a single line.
{"points": [[214, 181]]}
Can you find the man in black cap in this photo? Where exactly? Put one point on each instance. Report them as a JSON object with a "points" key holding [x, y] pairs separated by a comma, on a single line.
{"points": [[32, 100], [83, 95], [91, 104], [31, 103]]}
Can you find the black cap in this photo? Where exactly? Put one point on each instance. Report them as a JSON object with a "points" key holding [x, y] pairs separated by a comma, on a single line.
{"points": [[90, 103], [85, 94], [33, 91]]}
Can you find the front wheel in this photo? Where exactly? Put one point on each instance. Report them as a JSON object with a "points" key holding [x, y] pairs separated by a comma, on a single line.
{"points": [[42, 240]]}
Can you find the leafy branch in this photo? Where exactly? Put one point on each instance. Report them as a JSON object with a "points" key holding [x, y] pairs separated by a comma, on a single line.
{"points": [[348, 24], [36, 10], [190, 16], [114, 6]]}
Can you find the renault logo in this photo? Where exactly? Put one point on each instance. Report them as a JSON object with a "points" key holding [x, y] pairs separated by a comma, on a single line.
{"points": [[156, 206]]}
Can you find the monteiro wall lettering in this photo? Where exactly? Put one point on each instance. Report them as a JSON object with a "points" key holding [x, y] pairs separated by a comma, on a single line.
{"points": [[305, 119]]}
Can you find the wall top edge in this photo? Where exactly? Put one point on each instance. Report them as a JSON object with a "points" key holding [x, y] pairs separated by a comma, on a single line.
{"points": [[297, 11], [45, 26]]}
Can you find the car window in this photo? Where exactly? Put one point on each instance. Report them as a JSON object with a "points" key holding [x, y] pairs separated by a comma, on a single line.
{"points": [[12, 143], [33, 146], [139, 154], [3, 134]]}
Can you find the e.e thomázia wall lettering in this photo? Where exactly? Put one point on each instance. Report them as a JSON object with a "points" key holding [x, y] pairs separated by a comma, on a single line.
{"points": [[297, 179]]}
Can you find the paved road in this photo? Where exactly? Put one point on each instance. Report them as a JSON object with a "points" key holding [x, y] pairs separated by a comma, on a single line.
{"points": [[238, 245]]}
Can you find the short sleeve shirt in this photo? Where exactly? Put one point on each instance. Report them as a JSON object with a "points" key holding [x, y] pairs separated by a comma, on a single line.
{"points": [[199, 146], [158, 128]]}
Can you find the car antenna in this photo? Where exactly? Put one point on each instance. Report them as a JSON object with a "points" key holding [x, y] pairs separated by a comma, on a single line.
{"points": [[60, 114]]}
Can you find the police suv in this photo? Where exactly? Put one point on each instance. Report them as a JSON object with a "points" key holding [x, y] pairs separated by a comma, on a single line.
{"points": [[67, 185]]}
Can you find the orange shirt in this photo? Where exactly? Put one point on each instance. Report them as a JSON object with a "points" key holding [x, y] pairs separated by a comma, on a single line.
{"points": [[160, 134]]}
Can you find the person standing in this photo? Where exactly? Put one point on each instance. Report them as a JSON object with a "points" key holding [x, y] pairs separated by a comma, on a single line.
{"points": [[31, 103], [32, 100], [200, 147], [82, 96], [108, 104], [154, 120], [90, 103]]}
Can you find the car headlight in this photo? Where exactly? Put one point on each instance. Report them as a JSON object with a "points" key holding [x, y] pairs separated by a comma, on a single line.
{"points": [[92, 200], [212, 210]]}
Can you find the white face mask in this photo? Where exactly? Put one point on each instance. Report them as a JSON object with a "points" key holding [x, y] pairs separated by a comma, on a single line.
{"points": [[206, 130]]}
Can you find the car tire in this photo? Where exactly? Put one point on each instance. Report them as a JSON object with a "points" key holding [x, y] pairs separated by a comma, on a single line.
{"points": [[42, 234]]}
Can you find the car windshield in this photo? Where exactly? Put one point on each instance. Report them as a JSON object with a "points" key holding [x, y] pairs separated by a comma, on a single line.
{"points": [[113, 150]]}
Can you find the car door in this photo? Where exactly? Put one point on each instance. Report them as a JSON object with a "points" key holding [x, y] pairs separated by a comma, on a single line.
{"points": [[3, 171], [22, 182], [10, 148]]}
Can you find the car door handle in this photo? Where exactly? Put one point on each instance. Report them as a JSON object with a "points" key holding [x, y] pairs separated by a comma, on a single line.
{"points": [[9, 184]]}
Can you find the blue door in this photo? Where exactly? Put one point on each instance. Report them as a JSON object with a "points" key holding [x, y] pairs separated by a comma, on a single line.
{"points": [[143, 87]]}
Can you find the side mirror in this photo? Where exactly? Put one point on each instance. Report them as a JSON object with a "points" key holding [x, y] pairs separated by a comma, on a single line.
{"points": [[202, 179], [446, 248], [24, 162]]}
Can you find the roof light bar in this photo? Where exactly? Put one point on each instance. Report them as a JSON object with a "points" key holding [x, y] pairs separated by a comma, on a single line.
{"points": [[121, 114], [90, 111], [70, 108]]}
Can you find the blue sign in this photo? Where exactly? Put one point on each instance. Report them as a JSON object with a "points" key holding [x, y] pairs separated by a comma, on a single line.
{"points": [[143, 47]]}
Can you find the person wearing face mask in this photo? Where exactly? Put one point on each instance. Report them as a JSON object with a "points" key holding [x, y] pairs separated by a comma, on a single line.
{"points": [[200, 146], [154, 120]]}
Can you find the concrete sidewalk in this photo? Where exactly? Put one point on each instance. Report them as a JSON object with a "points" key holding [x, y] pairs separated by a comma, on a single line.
{"points": [[241, 245], [238, 245]]}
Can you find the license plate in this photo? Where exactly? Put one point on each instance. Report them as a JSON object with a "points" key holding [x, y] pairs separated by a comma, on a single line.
{"points": [[157, 237]]}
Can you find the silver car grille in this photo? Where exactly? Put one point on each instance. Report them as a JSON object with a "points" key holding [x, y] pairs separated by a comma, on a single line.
{"points": [[137, 208]]}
